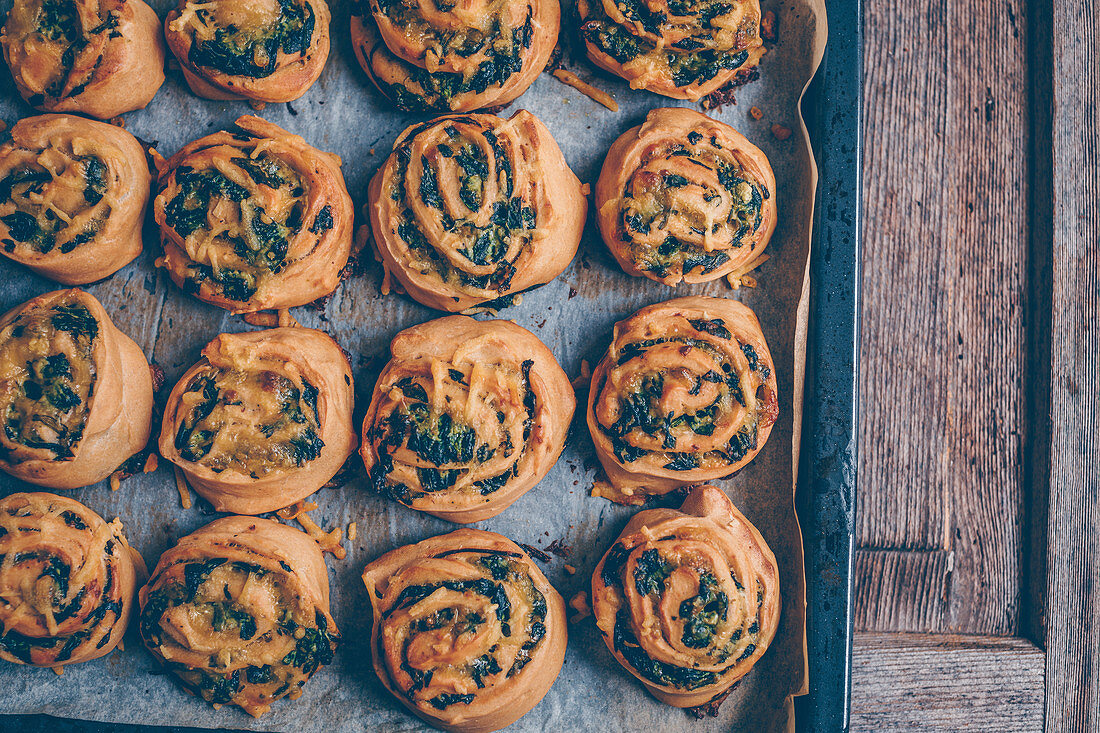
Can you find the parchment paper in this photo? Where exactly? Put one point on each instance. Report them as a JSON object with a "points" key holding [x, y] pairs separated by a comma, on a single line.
{"points": [[343, 113]]}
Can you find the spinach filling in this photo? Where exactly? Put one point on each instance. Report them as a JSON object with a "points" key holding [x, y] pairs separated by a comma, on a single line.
{"points": [[640, 409], [254, 52], [746, 198], [484, 246], [48, 409], [502, 569], [439, 440], [60, 22], [263, 242], [422, 90], [38, 226], [290, 439], [703, 614], [314, 645], [688, 61]]}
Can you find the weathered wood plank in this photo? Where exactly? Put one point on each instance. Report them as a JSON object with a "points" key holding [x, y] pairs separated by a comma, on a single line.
{"points": [[1072, 622], [945, 261], [901, 590], [909, 682]]}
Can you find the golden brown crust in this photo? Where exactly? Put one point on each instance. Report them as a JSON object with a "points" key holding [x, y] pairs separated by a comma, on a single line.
{"points": [[688, 601], [81, 388], [685, 394], [432, 645], [77, 199], [67, 581], [239, 611], [656, 48], [262, 420], [458, 237], [419, 55], [97, 57], [254, 219], [466, 417], [264, 50], [684, 177]]}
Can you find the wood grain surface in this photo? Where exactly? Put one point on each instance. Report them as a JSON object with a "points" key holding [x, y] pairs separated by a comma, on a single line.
{"points": [[943, 348], [1072, 618], [927, 682]]}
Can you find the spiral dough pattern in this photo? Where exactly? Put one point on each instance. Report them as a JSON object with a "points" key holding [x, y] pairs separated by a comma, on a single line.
{"points": [[66, 581], [468, 633], [684, 198], [473, 208], [685, 394], [688, 600]]}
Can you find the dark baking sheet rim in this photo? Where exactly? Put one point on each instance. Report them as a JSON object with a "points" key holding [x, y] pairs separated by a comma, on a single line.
{"points": [[828, 463], [826, 491]]}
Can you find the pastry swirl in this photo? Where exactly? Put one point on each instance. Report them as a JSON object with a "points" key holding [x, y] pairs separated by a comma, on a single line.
{"points": [[262, 420], [76, 394], [67, 581], [468, 634], [254, 219], [73, 194], [439, 56], [466, 417], [684, 198], [685, 394], [97, 57], [238, 610], [688, 601], [680, 50], [264, 50], [472, 208]]}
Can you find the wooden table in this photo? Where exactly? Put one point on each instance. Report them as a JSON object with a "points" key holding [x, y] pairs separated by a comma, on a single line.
{"points": [[978, 530]]}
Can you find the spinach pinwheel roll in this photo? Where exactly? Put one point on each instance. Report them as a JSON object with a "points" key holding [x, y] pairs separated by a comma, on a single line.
{"points": [[96, 57], [688, 601], [254, 219], [684, 198], [468, 633], [73, 194], [67, 581], [448, 58], [263, 50], [76, 394], [472, 208], [685, 394], [262, 420], [238, 610], [680, 50], [466, 417]]}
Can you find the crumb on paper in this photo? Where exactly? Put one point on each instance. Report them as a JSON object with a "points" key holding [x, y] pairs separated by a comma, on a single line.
{"points": [[328, 541], [257, 105], [3, 126], [182, 488], [569, 569], [150, 464], [371, 151], [596, 95], [116, 480], [582, 380], [263, 319], [780, 132], [756, 112], [769, 28], [581, 609], [58, 669], [117, 122], [353, 531], [285, 320]]}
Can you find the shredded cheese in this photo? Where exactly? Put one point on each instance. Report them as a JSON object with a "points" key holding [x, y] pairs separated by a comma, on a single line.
{"points": [[585, 377], [596, 95], [150, 464], [328, 541], [286, 320], [579, 604], [181, 486]]}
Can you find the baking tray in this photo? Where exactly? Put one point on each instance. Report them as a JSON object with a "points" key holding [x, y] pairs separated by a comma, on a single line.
{"points": [[826, 488]]}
